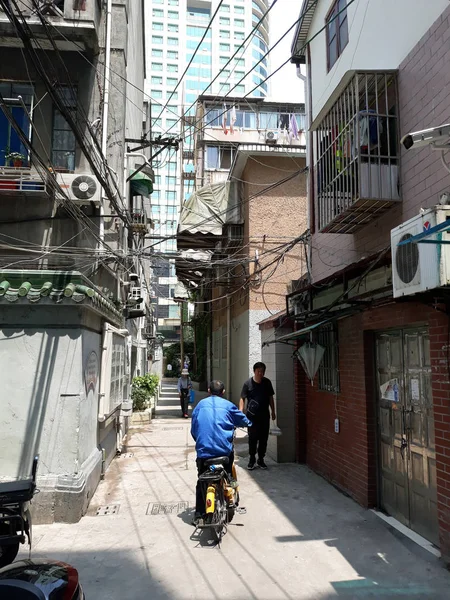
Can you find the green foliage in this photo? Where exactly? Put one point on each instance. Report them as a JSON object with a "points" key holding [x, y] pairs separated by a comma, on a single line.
{"points": [[142, 389], [172, 355]]}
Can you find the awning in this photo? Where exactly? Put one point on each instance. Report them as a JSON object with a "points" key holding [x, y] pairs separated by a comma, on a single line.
{"points": [[297, 334], [141, 184]]}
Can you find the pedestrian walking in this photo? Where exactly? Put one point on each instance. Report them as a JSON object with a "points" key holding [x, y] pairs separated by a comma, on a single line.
{"points": [[257, 395], [184, 388]]}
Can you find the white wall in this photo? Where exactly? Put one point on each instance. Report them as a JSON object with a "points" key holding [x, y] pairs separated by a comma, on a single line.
{"points": [[381, 34], [239, 355]]}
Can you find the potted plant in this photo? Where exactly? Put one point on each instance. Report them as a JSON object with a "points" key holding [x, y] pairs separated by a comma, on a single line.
{"points": [[16, 158]]}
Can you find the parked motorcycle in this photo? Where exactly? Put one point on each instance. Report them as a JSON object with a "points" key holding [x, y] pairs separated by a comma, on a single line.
{"points": [[222, 495], [40, 579], [15, 517]]}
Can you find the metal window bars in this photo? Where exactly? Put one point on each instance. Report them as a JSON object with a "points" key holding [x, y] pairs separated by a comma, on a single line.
{"points": [[356, 145], [329, 380]]}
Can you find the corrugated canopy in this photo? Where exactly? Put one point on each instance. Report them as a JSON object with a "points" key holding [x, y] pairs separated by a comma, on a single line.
{"points": [[209, 208]]}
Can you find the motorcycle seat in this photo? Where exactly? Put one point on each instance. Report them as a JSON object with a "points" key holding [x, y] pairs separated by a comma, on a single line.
{"points": [[16, 491], [220, 460]]}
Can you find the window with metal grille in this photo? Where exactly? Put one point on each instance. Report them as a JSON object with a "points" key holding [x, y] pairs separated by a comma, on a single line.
{"points": [[337, 31], [63, 138], [329, 366]]}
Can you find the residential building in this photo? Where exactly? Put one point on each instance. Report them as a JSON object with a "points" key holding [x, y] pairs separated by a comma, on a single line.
{"points": [[242, 237], [70, 228], [175, 30], [376, 420]]}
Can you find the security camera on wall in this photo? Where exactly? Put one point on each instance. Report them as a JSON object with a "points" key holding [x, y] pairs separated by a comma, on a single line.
{"points": [[437, 137]]}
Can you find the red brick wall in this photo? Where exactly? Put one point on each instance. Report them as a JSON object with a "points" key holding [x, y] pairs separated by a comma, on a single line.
{"points": [[348, 459]]}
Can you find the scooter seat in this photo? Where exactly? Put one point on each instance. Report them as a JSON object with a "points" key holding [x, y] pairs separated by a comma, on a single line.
{"points": [[16, 491], [220, 460]]}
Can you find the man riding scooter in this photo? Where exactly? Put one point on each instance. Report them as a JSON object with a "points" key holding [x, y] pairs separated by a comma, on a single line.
{"points": [[212, 427]]}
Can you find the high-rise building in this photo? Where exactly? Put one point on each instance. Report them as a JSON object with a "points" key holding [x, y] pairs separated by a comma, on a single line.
{"points": [[175, 29]]}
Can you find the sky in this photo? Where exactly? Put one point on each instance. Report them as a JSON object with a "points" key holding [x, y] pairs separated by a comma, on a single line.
{"points": [[285, 86]]}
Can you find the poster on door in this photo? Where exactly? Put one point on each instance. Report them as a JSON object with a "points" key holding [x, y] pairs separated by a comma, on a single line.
{"points": [[389, 390]]}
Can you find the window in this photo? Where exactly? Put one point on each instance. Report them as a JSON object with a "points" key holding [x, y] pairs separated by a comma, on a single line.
{"points": [[156, 93], [172, 68], [173, 95], [171, 28], [171, 181], [225, 35], [170, 196], [239, 62], [158, 13], [198, 32], [172, 167], [225, 8], [156, 66], [9, 140], [171, 213], [239, 23], [157, 26], [172, 14], [172, 81], [224, 21], [239, 10], [156, 211], [172, 54], [172, 41], [337, 31], [172, 2], [223, 60], [157, 53], [158, 1], [224, 87], [199, 58], [192, 45], [171, 123], [329, 367], [240, 89], [157, 39], [225, 73], [224, 47], [63, 138], [157, 180], [156, 80], [219, 157], [239, 35]]}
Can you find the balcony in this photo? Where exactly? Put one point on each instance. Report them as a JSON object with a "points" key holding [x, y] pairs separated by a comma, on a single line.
{"points": [[73, 20], [22, 181], [357, 154]]}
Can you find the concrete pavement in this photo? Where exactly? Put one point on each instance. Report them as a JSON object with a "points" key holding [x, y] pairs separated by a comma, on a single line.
{"points": [[299, 539]]}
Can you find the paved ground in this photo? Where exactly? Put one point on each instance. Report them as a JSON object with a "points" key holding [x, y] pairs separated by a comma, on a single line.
{"points": [[300, 538]]}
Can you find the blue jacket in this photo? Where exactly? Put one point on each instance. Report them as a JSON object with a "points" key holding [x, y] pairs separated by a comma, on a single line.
{"points": [[212, 426]]}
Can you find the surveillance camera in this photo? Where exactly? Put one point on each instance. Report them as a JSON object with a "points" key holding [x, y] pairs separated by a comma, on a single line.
{"points": [[439, 137], [444, 198]]}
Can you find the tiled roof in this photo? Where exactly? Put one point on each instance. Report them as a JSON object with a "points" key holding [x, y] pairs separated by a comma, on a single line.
{"points": [[56, 286]]}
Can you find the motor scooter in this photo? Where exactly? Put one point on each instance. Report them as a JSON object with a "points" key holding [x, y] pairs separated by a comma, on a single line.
{"points": [[40, 579], [15, 516]]}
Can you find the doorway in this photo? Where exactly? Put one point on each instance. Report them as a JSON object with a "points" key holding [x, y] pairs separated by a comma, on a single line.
{"points": [[407, 457]]}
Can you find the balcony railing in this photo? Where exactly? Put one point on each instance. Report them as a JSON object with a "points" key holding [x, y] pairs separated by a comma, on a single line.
{"points": [[21, 181], [357, 150]]}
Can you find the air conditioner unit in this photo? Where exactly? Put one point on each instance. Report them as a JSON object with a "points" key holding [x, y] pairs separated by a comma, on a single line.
{"points": [[136, 311], [271, 137], [79, 187], [420, 267]]}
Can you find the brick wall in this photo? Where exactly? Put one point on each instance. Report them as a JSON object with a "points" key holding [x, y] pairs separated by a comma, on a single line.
{"points": [[424, 101], [348, 459]]}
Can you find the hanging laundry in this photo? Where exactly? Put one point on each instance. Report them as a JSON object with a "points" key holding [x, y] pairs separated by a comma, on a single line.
{"points": [[369, 126], [232, 119], [224, 119], [293, 127]]}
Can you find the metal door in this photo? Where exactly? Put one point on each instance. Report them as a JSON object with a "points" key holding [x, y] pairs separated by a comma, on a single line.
{"points": [[406, 430]]}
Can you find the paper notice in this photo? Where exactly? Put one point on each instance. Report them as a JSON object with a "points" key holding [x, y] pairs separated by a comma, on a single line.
{"points": [[415, 390], [389, 390]]}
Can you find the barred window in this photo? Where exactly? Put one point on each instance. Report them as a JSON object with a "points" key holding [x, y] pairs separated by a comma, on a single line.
{"points": [[329, 366]]}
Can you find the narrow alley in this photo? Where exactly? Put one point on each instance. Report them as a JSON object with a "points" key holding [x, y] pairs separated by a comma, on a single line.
{"points": [[298, 539]]}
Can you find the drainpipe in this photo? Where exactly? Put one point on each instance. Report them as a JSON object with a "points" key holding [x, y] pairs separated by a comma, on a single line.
{"points": [[106, 104]]}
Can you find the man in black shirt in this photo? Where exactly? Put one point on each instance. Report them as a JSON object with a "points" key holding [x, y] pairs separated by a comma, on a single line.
{"points": [[258, 392]]}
